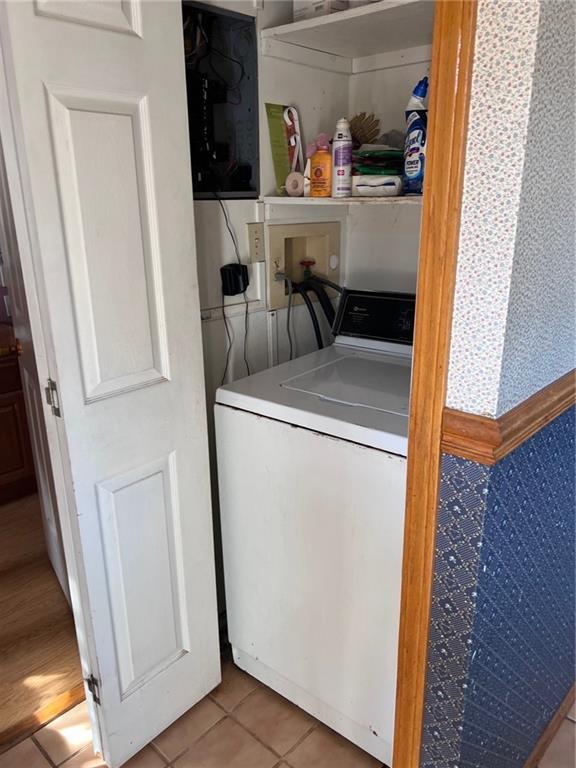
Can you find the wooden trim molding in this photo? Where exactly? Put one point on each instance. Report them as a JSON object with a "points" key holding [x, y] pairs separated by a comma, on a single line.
{"points": [[487, 440], [551, 729], [452, 55]]}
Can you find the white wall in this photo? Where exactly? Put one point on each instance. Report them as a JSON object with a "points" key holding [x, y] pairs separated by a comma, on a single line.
{"points": [[498, 124], [539, 344], [321, 98], [214, 248], [383, 241], [214, 244], [512, 328], [382, 247], [385, 92]]}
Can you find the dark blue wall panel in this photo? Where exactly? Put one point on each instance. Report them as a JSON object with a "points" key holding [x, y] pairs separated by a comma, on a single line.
{"points": [[501, 651]]}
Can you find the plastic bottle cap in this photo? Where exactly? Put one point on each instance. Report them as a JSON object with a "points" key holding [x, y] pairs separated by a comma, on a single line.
{"points": [[422, 88]]}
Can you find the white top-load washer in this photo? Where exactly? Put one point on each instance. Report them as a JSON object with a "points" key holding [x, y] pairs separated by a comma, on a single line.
{"points": [[312, 470]]}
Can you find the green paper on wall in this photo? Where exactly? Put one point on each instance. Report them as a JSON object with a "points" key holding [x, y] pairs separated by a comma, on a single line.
{"points": [[278, 144]]}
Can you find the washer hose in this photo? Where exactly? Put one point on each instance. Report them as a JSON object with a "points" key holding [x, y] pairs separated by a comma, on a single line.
{"points": [[307, 300]]}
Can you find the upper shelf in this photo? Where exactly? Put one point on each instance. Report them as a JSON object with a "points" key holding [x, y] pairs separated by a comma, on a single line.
{"points": [[388, 25], [408, 200]]}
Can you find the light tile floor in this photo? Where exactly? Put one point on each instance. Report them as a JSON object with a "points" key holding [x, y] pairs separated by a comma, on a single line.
{"points": [[241, 724], [562, 751]]}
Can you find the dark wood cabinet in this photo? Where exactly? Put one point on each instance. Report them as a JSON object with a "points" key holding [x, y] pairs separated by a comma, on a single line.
{"points": [[16, 465]]}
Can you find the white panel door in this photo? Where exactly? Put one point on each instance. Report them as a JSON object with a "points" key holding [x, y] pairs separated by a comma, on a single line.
{"points": [[31, 386], [97, 96]]}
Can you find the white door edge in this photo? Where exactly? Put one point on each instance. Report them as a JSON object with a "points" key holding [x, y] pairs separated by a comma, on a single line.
{"points": [[15, 162]]}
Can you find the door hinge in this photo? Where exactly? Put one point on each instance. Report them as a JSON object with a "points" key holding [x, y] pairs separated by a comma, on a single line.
{"points": [[52, 398], [94, 688]]}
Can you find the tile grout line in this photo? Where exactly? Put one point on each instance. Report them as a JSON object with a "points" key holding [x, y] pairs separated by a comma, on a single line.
{"points": [[158, 751], [242, 700], [254, 736], [172, 760], [247, 730], [303, 738], [232, 717], [165, 759], [164, 755], [43, 752]]}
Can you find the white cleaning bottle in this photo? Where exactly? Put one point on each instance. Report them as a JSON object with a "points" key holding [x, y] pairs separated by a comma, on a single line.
{"points": [[342, 160], [415, 144]]}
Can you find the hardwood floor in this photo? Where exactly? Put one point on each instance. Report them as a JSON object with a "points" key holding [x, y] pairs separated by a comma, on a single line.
{"points": [[40, 674]]}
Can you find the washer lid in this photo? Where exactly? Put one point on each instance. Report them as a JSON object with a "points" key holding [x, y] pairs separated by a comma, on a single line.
{"points": [[365, 382], [340, 391]]}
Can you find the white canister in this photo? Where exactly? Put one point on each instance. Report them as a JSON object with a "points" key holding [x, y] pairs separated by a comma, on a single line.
{"points": [[342, 160]]}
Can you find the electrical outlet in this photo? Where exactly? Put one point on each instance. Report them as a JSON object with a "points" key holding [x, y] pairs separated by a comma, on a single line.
{"points": [[256, 241]]}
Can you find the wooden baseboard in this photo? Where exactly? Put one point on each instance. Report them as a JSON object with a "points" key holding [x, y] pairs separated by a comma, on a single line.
{"points": [[551, 729], [487, 440]]}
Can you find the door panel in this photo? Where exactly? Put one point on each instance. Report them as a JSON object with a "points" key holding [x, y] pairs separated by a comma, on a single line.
{"points": [[122, 16], [103, 143], [144, 499]]}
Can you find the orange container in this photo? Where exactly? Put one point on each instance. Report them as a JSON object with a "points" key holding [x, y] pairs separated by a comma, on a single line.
{"points": [[321, 173]]}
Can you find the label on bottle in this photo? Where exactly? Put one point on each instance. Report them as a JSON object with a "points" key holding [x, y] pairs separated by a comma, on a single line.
{"points": [[319, 179], [342, 174], [415, 151], [343, 155]]}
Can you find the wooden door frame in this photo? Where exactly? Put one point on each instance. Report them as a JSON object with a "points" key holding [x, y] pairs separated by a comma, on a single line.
{"points": [[451, 77]]}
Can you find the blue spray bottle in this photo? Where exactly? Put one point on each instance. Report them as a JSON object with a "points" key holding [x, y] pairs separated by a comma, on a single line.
{"points": [[415, 145]]}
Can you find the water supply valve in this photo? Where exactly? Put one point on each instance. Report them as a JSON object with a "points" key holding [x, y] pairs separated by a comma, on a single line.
{"points": [[307, 264]]}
